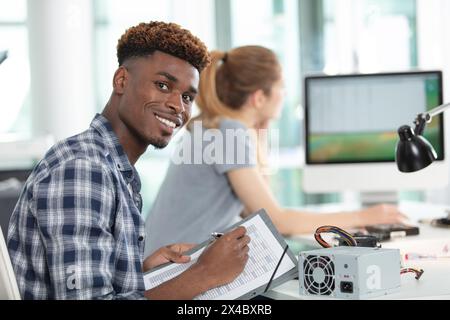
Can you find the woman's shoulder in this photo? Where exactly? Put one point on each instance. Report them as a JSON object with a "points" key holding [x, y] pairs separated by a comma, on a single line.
{"points": [[228, 123]]}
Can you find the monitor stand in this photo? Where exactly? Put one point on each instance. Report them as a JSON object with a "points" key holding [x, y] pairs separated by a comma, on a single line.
{"points": [[368, 199]]}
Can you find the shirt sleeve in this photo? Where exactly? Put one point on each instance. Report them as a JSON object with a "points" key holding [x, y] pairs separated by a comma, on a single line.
{"points": [[75, 210]]}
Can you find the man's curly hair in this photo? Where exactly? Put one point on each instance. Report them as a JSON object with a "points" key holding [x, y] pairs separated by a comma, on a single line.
{"points": [[145, 38]]}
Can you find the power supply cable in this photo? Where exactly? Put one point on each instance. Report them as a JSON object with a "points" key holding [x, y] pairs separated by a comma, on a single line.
{"points": [[347, 237]]}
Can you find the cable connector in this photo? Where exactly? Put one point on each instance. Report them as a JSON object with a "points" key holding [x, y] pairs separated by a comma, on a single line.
{"points": [[346, 237], [418, 272]]}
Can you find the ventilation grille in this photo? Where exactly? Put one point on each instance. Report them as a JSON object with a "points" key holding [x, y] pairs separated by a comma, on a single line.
{"points": [[318, 275]]}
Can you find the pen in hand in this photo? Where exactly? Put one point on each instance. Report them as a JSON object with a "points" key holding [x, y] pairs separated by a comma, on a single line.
{"points": [[216, 235]]}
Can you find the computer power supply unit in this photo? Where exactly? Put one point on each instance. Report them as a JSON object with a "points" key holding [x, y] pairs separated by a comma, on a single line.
{"points": [[349, 272]]}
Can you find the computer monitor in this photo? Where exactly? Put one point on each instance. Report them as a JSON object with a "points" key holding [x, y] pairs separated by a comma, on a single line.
{"points": [[351, 124]]}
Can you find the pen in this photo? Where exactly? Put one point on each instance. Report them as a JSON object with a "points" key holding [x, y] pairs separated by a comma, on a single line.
{"points": [[216, 235]]}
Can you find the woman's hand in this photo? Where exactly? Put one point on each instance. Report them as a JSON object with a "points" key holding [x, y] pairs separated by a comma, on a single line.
{"points": [[170, 253], [381, 214]]}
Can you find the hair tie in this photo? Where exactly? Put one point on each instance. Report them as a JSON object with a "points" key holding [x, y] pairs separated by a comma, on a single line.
{"points": [[225, 57]]}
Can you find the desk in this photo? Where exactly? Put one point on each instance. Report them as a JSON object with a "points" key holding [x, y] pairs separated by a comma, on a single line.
{"points": [[435, 282]]}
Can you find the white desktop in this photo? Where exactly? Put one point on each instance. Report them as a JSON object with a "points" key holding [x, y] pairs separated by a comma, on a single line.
{"points": [[432, 241], [351, 124]]}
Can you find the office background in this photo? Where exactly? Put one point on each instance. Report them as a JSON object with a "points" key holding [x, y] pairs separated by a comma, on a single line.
{"points": [[62, 58]]}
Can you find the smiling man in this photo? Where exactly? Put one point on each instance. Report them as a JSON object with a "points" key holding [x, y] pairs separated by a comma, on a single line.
{"points": [[77, 230]]}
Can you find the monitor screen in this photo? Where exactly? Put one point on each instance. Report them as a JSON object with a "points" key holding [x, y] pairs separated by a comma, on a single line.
{"points": [[354, 118]]}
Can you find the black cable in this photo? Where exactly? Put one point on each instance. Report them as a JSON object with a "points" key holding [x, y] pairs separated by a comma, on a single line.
{"points": [[276, 268]]}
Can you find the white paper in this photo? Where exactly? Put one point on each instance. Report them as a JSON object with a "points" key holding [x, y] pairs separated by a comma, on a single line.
{"points": [[264, 254]]}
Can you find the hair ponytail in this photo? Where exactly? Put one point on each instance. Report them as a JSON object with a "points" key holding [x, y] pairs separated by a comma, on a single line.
{"points": [[231, 78], [211, 107]]}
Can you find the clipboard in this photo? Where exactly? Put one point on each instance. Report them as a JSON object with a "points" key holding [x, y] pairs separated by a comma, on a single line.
{"points": [[277, 239]]}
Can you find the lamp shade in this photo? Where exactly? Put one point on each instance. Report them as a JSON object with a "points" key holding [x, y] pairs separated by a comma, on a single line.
{"points": [[413, 152]]}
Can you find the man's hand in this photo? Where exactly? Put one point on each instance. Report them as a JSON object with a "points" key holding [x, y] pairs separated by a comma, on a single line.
{"points": [[170, 253], [225, 259]]}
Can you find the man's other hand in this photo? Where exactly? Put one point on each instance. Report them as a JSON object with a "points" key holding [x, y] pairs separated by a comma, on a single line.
{"points": [[170, 253]]}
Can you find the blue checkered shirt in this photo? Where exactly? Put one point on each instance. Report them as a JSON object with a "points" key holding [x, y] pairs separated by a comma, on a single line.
{"points": [[77, 230]]}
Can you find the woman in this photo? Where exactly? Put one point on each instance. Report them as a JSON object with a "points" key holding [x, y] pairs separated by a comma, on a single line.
{"points": [[240, 90]]}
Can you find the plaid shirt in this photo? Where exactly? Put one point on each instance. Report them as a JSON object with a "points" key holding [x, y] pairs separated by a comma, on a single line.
{"points": [[77, 230]]}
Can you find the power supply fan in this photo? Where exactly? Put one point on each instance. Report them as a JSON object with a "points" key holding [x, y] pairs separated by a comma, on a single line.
{"points": [[319, 275]]}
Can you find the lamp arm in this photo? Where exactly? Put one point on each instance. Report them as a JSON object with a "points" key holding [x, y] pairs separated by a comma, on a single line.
{"points": [[434, 112], [423, 118]]}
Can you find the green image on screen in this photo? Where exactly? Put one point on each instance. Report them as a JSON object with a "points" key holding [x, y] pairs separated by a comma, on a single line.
{"points": [[340, 146]]}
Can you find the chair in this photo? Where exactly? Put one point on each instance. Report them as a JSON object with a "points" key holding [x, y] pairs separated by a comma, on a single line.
{"points": [[8, 284]]}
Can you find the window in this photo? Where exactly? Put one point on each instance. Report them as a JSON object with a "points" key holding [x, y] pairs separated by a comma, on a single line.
{"points": [[332, 36], [346, 36], [355, 35], [15, 114], [275, 24]]}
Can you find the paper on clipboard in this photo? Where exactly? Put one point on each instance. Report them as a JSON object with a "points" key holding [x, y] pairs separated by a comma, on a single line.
{"points": [[266, 248]]}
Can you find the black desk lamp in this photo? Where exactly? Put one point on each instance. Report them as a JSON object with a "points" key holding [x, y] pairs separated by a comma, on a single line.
{"points": [[413, 151]]}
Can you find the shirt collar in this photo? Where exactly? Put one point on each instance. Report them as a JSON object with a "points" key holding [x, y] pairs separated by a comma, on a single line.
{"points": [[112, 143]]}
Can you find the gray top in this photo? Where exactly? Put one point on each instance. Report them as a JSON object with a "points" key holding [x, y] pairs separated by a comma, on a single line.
{"points": [[196, 197]]}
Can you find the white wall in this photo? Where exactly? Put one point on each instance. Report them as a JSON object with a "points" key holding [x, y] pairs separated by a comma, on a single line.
{"points": [[433, 27], [60, 45]]}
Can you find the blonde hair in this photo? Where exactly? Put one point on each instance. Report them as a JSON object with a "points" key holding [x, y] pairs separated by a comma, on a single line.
{"points": [[231, 78]]}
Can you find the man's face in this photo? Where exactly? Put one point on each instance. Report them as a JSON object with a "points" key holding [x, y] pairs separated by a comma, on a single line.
{"points": [[156, 96]]}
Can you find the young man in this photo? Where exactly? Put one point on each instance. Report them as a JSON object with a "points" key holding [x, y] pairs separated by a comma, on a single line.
{"points": [[77, 230]]}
